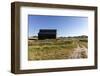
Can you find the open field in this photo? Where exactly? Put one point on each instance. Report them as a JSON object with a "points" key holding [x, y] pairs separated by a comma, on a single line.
{"points": [[62, 48]]}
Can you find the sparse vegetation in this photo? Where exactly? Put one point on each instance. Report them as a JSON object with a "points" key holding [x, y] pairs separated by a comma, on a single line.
{"points": [[54, 48]]}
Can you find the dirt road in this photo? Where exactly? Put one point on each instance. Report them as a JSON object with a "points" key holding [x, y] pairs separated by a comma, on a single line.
{"points": [[79, 52]]}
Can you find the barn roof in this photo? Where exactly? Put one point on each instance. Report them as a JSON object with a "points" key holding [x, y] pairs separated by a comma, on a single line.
{"points": [[47, 31]]}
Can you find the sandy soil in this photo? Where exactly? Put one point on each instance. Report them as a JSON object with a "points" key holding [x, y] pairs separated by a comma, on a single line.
{"points": [[79, 52]]}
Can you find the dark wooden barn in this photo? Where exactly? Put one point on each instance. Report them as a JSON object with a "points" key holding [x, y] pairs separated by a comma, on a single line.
{"points": [[47, 34]]}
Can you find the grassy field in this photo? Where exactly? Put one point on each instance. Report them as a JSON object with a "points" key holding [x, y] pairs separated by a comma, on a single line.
{"points": [[50, 49]]}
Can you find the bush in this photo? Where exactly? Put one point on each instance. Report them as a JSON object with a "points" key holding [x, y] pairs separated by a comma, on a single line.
{"points": [[83, 40]]}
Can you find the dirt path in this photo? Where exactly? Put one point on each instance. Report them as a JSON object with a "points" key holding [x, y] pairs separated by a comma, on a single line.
{"points": [[79, 52]]}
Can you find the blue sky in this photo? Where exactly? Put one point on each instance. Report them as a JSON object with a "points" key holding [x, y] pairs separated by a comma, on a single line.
{"points": [[65, 25]]}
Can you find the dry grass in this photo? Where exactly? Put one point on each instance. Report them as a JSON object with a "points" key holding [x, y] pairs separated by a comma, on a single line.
{"points": [[50, 49]]}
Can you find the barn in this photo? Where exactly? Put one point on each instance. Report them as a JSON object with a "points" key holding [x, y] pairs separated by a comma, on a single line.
{"points": [[47, 34]]}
